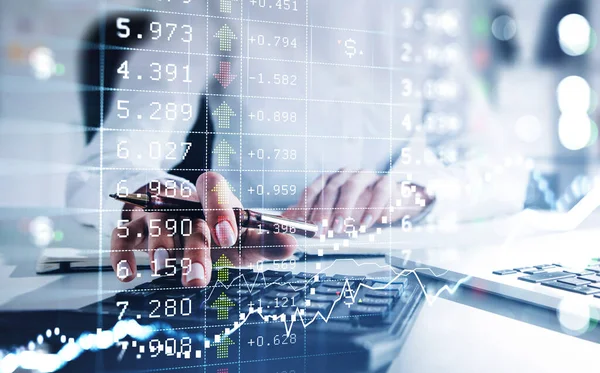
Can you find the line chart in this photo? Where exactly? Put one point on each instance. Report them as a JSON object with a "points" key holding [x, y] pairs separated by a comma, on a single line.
{"points": [[28, 357]]}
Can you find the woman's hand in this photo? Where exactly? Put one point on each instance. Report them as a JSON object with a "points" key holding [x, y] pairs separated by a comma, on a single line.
{"points": [[193, 243], [355, 198]]}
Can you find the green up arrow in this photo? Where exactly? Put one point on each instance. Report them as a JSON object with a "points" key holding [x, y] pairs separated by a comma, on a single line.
{"points": [[223, 347], [222, 304], [225, 36], [222, 264], [223, 190], [223, 114], [223, 150], [225, 6]]}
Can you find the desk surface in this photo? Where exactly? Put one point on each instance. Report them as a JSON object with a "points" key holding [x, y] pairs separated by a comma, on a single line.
{"points": [[449, 335]]}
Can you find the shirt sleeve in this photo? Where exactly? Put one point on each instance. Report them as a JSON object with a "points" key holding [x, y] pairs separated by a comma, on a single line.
{"points": [[151, 105]]}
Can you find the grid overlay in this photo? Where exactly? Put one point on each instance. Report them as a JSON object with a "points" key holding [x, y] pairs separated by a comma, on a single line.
{"points": [[222, 69]]}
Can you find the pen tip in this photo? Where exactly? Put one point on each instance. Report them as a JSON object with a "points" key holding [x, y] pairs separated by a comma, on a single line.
{"points": [[114, 195]]}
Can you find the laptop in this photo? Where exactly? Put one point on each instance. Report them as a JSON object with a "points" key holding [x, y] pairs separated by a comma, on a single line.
{"points": [[558, 271]]}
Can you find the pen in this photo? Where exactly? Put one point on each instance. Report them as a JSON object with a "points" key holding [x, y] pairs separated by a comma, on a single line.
{"points": [[245, 218]]}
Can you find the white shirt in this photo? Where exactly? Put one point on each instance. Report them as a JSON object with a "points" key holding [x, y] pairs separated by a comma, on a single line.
{"points": [[342, 84]]}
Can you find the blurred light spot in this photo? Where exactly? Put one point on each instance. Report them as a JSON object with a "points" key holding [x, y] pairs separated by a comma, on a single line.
{"points": [[574, 34], [42, 62], [481, 26], [59, 236], [574, 95], [574, 130], [450, 22], [528, 128], [574, 314], [42, 231], [529, 164], [481, 57], [59, 69], [504, 28]]}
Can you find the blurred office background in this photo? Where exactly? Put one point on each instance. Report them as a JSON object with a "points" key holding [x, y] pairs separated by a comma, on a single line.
{"points": [[541, 78]]}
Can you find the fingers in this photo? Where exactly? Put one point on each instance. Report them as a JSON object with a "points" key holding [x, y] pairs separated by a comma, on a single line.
{"points": [[217, 200], [161, 232], [349, 194], [380, 201], [302, 211], [327, 199], [197, 256], [361, 207], [124, 240]]}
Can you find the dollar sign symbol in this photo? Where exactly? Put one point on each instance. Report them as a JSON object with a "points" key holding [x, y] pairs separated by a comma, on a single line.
{"points": [[350, 48]]}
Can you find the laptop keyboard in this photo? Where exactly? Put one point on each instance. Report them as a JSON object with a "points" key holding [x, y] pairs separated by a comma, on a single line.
{"points": [[238, 291], [330, 312], [585, 281]]}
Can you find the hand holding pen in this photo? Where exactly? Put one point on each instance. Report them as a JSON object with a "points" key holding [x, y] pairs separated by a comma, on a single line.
{"points": [[193, 232]]}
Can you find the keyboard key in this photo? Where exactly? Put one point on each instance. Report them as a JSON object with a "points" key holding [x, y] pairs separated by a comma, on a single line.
{"points": [[546, 276], [545, 266], [574, 281], [313, 305], [359, 309], [533, 272], [594, 268], [524, 269], [328, 290], [504, 272], [383, 293], [271, 275], [333, 284], [395, 281], [592, 278], [320, 306], [585, 290], [298, 281], [369, 315], [369, 301], [349, 278], [308, 276], [254, 278], [322, 298], [578, 271]]}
